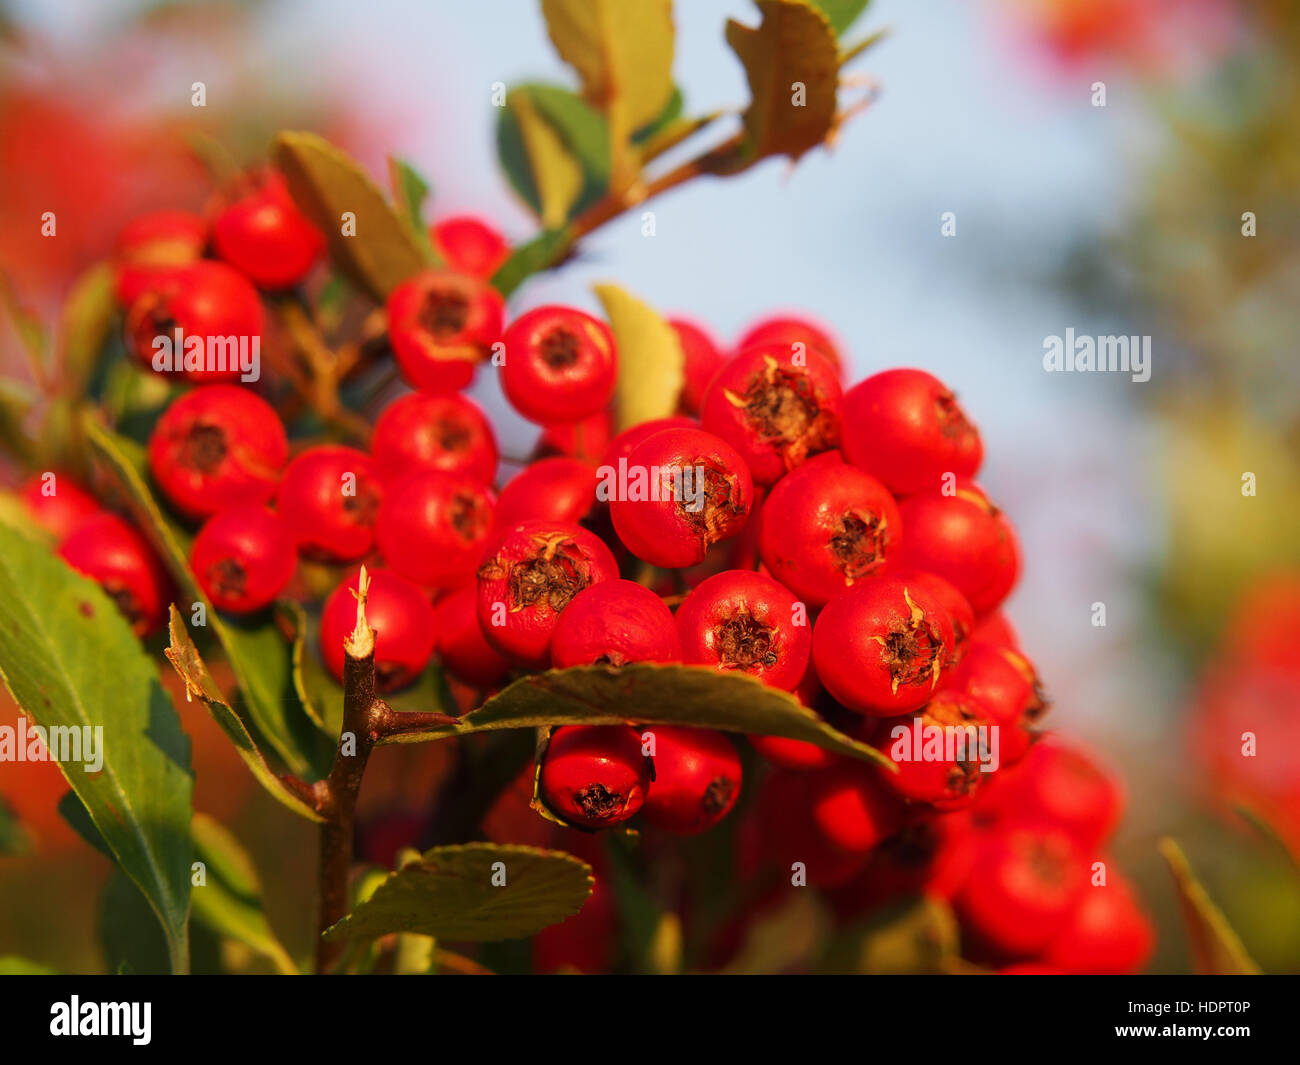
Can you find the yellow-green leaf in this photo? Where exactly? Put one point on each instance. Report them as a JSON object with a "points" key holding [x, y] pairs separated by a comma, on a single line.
{"points": [[650, 359], [86, 319], [556, 174], [1216, 948]]}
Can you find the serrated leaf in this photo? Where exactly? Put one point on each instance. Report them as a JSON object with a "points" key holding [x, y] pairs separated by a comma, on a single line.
{"points": [[527, 259], [644, 693], [651, 365], [841, 14], [258, 652], [410, 190], [1216, 948], [556, 175], [793, 45], [230, 903], [189, 665], [88, 315], [70, 660], [449, 894], [325, 183]]}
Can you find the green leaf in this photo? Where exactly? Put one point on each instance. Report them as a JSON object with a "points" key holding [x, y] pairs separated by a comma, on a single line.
{"points": [[644, 693], [258, 651], [556, 176], [651, 365], [793, 45], [230, 903], [129, 934], [13, 965], [84, 325], [15, 515], [841, 13], [671, 114], [410, 190], [449, 894], [14, 839], [71, 661], [785, 938], [1216, 948], [187, 662], [325, 184], [544, 250]]}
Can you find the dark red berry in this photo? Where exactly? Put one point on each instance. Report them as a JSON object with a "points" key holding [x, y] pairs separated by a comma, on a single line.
{"points": [[782, 833], [852, 809], [426, 432], [613, 623], [469, 245], [152, 242], [441, 325], [906, 428], [329, 498], [702, 359], [697, 778], [594, 775], [109, 551], [432, 527], [264, 236], [559, 489], [792, 754], [742, 621], [560, 365], [57, 504], [215, 447], [243, 557], [528, 576], [944, 753], [775, 408], [402, 618], [789, 331], [679, 492], [462, 647]]}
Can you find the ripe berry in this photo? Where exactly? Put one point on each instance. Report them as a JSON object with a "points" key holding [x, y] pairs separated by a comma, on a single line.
{"points": [[561, 489], [941, 752], [882, 646], [217, 446], [622, 446], [432, 526], [595, 775], [964, 539], [782, 832], [586, 439], [996, 628], [264, 236], [109, 551], [792, 754], [210, 308], [441, 325], [151, 243], [703, 358], [740, 620], [423, 432], [529, 575], [831, 526], [1005, 684], [403, 620], [775, 408], [906, 428], [560, 365], [469, 245], [58, 505], [852, 809], [1106, 933], [679, 492], [329, 498], [613, 623], [462, 648], [243, 557], [1022, 886], [697, 779], [786, 332]]}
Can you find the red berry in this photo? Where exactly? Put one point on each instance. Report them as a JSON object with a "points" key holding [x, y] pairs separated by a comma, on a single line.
{"points": [[462, 647], [595, 775], [613, 623], [1022, 886], [1006, 685], [441, 325], [703, 358], [109, 551], [423, 432], [432, 526], [203, 318], [740, 620], [403, 620], [264, 236], [57, 504], [215, 447], [697, 779], [852, 809], [243, 558], [831, 526], [586, 439], [944, 753], [882, 646], [948, 597], [906, 428], [775, 408], [469, 245], [1106, 933], [788, 331], [964, 539], [528, 576], [560, 489], [679, 492], [792, 754], [153, 242], [560, 365], [329, 498], [782, 832]]}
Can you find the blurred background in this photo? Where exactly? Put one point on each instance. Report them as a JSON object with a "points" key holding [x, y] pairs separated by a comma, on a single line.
{"points": [[1119, 219]]}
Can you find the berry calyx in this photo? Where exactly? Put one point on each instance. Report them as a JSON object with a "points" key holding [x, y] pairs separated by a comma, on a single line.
{"points": [[243, 557], [403, 620], [215, 447], [613, 623], [264, 236], [944, 753], [432, 526], [697, 778], [112, 553], [469, 245], [450, 433], [593, 775], [948, 597], [441, 325], [787, 331], [329, 498], [560, 365]]}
